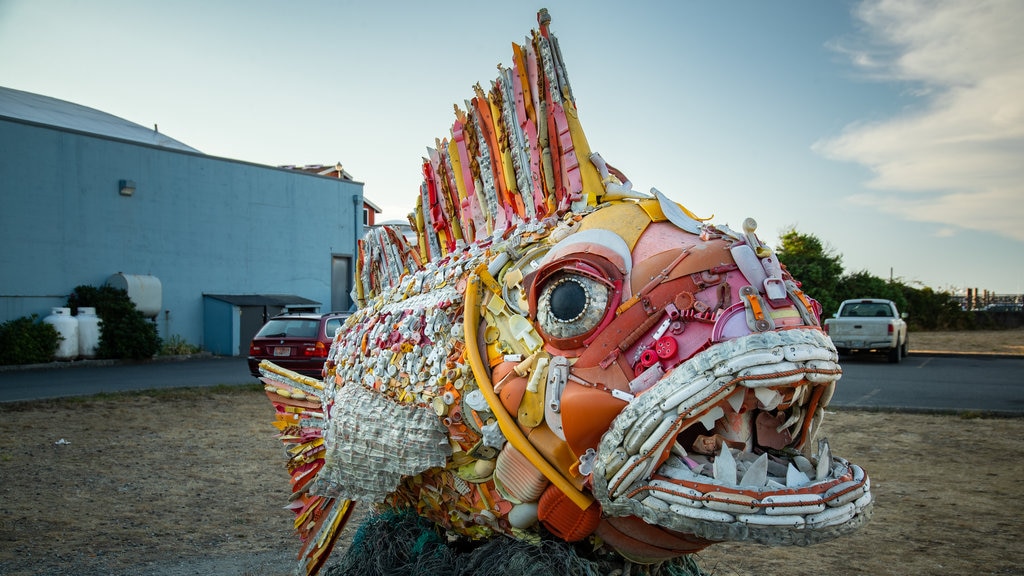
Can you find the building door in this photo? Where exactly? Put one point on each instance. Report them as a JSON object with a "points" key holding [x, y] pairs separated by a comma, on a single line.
{"points": [[341, 283]]}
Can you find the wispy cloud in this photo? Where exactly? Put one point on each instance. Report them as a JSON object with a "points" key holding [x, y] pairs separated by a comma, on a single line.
{"points": [[958, 157]]}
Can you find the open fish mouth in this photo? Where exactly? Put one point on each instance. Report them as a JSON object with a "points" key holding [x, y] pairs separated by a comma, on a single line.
{"points": [[724, 447]]}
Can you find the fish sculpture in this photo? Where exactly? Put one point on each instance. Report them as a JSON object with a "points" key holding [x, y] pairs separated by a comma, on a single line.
{"points": [[554, 351]]}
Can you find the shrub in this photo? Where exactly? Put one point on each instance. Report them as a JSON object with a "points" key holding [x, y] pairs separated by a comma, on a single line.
{"points": [[125, 332], [26, 341], [178, 346]]}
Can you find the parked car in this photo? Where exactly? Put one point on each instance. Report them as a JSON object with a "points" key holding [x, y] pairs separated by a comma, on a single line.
{"points": [[298, 342], [869, 325]]}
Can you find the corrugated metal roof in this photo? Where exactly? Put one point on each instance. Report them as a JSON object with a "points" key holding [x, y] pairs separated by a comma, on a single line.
{"points": [[62, 114]]}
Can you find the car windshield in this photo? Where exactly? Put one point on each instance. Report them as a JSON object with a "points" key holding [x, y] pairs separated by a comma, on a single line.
{"points": [[289, 328], [866, 309]]}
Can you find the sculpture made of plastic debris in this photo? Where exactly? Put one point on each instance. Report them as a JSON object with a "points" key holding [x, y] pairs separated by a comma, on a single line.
{"points": [[560, 356]]}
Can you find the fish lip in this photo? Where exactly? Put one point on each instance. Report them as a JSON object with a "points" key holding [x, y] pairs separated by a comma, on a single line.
{"points": [[628, 472]]}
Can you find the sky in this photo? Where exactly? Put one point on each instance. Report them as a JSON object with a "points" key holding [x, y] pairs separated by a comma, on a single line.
{"points": [[893, 131]]}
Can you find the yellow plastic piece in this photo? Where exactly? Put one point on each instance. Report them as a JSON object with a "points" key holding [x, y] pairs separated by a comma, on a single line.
{"points": [[471, 320], [421, 236], [504, 153], [592, 185], [627, 219], [531, 408]]}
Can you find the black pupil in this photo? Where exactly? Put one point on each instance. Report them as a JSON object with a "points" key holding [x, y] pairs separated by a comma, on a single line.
{"points": [[567, 300]]}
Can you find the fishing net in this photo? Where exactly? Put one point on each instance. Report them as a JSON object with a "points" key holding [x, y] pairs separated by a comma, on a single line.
{"points": [[403, 544]]}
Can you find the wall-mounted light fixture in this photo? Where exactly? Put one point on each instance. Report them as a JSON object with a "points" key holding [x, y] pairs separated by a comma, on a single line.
{"points": [[126, 187]]}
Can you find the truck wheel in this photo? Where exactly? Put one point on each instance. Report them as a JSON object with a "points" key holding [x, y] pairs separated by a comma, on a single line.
{"points": [[895, 355], [906, 347]]}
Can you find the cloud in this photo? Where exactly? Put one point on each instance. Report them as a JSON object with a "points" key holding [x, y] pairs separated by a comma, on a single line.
{"points": [[956, 158]]}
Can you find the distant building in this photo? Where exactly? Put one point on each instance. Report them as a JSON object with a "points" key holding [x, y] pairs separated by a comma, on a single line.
{"points": [[370, 210], [89, 197]]}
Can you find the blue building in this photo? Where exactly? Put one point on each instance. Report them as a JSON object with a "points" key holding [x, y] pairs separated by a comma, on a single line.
{"points": [[221, 244]]}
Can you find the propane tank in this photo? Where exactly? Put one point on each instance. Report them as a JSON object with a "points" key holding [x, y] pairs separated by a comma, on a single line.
{"points": [[88, 332], [67, 328]]}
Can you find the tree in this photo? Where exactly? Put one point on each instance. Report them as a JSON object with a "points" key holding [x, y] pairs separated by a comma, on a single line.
{"points": [[864, 285], [820, 272], [125, 332], [816, 267]]}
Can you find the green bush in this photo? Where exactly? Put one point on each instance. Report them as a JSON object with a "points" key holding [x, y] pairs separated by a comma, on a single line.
{"points": [[25, 340], [125, 333], [178, 346]]}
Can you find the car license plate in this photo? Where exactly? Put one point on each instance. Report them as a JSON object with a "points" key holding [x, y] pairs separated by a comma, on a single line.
{"points": [[283, 351], [858, 343]]}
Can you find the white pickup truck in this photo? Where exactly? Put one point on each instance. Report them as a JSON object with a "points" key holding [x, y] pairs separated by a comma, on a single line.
{"points": [[869, 325]]}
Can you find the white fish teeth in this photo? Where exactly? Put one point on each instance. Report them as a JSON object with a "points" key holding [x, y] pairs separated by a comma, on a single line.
{"points": [[803, 464], [776, 468], [824, 460], [725, 466], [709, 419], [757, 474], [678, 449], [826, 396], [780, 494], [736, 399], [802, 394], [795, 478], [767, 398], [794, 418]]}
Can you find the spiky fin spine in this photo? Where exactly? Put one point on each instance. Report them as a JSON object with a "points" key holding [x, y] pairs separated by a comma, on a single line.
{"points": [[516, 154]]}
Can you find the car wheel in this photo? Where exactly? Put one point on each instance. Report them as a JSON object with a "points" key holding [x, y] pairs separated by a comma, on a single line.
{"points": [[906, 347], [895, 355]]}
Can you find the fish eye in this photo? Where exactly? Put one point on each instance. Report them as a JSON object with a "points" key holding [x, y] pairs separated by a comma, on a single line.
{"points": [[571, 305]]}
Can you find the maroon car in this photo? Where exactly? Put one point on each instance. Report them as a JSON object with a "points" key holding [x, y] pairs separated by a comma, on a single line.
{"points": [[298, 342]]}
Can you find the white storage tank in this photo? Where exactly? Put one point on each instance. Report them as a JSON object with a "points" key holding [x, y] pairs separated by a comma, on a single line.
{"points": [[143, 290], [67, 328], [88, 332]]}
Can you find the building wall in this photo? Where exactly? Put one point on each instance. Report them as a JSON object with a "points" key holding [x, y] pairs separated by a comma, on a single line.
{"points": [[200, 224]]}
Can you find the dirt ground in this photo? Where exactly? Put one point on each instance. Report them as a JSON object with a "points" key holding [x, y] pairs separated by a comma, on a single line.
{"points": [[975, 342], [193, 482]]}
